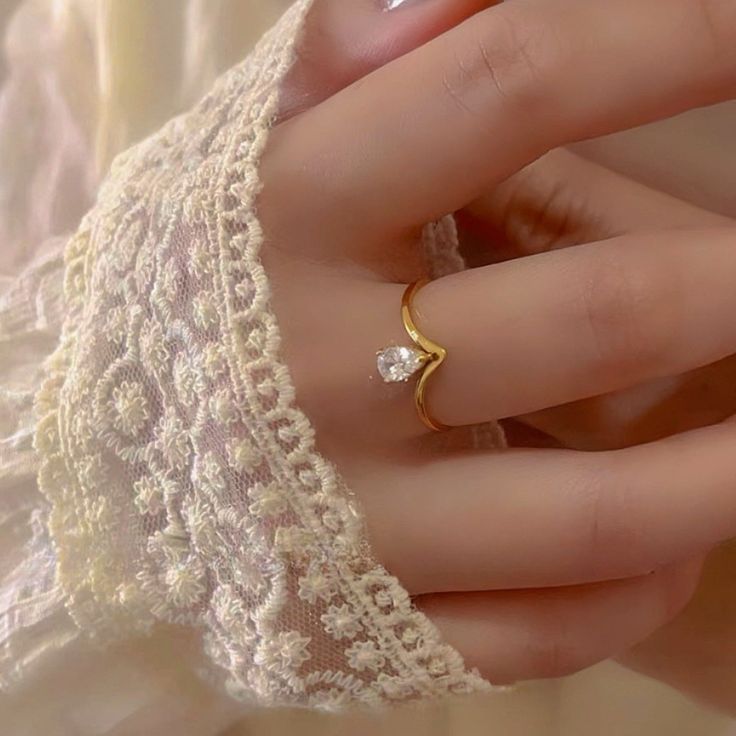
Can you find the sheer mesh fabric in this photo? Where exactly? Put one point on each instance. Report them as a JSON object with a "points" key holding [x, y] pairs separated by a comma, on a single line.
{"points": [[184, 481]]}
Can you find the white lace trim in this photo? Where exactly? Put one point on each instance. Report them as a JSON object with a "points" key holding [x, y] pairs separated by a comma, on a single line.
{"points": [[185, 483]]}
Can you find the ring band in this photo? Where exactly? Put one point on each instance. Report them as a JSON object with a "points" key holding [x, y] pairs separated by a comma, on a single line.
{"points": [[398, 364]]}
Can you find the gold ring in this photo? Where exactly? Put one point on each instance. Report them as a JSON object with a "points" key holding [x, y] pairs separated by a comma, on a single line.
{"points": [[397, 364]]}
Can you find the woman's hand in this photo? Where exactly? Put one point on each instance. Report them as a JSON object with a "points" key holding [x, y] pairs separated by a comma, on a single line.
{"points": [[533, 562], [563, 200]]}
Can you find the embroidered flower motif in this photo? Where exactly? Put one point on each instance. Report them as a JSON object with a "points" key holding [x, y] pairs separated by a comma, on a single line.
{"points": [[294, 648], [187, 382], [243, 456], [210, 476], [186, 584], [314, 585], [341, 622], [201, 260], [149, 497], [115, 326], [131, 408], [364, 655], [267, 500], [437, 667], [173, 439], [223, 407], [205, 311], [215, 364], [228, 608], [285, 650], [153, 347]]}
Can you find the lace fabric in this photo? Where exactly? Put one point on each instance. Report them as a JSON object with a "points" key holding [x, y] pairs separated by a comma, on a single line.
{"points": [[183, 480], [33, 622]]}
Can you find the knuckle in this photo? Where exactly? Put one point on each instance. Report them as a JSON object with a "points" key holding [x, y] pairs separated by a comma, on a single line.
{"points": [[613, 542], [625, 304], [503, 60]]}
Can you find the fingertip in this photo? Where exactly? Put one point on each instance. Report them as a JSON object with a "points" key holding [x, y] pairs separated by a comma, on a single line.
{"points": [[344, 41]]}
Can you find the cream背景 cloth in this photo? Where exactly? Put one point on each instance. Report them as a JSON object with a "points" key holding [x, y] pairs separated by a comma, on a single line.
{"points": [[31, 316]]}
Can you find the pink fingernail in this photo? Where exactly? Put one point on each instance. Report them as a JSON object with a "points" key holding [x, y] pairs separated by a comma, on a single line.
{"points": [[393, 4]]}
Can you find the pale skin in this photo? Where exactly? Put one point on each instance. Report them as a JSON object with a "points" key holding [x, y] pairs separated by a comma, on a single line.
{"points": [[534, 561]]}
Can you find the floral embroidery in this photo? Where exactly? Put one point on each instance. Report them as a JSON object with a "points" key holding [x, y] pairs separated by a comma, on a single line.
{"points": [[364, 655], [223, 407], [186, 583], [205, 311], [153, 347], [115, 327], [314, 585], [187, 382], [341, 622], [267, 500], [214, 362], [131, 407], [148, 496], [211, 478], [185, 482], [173, 439], [286, 650], [243, 456]]}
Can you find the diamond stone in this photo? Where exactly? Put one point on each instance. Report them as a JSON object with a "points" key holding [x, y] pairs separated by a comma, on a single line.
{"points": [[397, 364]]}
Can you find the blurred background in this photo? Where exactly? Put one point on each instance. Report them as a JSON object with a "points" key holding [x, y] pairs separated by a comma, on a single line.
{"points": [[81, 81]]}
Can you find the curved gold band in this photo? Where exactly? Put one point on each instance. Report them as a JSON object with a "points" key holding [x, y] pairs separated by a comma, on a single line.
{"points": [[434, 356]]}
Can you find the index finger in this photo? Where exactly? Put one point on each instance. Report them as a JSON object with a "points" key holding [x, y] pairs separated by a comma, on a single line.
{"points": [[425, 134]]}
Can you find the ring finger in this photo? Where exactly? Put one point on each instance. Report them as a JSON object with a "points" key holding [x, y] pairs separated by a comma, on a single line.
{"points": [[543, 518], [521, 336]]}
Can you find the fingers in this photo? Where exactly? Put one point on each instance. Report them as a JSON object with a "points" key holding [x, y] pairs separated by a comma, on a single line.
{"points": [[644, 413], [563, 199], [521, 336], [557, 327], [343, 40], [474, 105], [531, 634], [540, 518]]}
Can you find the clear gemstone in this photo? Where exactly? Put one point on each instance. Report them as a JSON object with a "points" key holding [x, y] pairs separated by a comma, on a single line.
{"points": [[398, 364]]}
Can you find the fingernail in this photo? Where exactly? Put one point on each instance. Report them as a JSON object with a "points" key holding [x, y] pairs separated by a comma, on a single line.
{"points": [[393, 4]]}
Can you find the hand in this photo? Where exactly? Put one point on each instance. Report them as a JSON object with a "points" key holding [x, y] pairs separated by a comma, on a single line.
{"points": [[562, 200], [575, 586]]}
